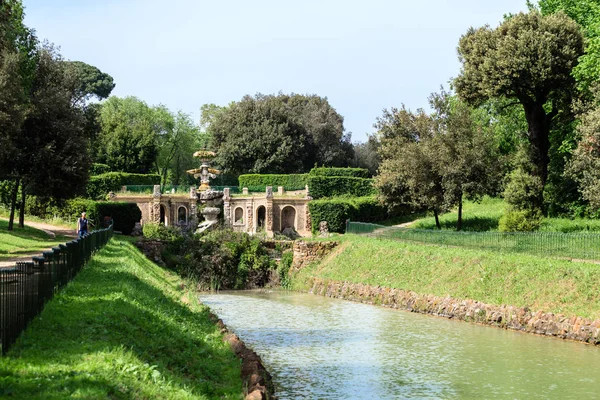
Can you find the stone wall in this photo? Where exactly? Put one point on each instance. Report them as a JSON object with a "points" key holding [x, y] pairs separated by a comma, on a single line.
{"points": [[507, 317], [308, 252]]}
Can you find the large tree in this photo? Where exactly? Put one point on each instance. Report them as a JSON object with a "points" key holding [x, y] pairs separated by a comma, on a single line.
{"points": [[278, 134], [528, 58]]}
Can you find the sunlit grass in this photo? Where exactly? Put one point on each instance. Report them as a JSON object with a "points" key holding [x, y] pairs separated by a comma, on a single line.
{"points": [[124, 328], [25, 240], [551, 285]]}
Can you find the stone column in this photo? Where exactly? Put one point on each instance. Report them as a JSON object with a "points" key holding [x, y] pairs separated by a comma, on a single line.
{"points": [[307, 219], [227, 208], [155, 205], [269, 211], [193, 217], [249, 217]]}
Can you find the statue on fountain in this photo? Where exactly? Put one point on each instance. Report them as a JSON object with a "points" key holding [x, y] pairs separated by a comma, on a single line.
{"points": [[208, 198]]}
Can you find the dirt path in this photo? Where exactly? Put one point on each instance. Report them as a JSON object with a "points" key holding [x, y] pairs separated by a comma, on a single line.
{"points": [[404, 225], [50, 230]]}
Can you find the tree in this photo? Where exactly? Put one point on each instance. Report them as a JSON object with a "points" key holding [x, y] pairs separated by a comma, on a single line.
{"points": [[528, 58], [278, 134], [366, 155], [88, 81], [129, 135]]}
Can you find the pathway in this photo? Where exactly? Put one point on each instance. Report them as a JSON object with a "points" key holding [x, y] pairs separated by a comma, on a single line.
{"points": [[50, 230]]}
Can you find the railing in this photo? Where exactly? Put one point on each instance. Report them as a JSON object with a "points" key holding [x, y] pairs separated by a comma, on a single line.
{"points": [[25, 288], [149, 189], [585, 246]]}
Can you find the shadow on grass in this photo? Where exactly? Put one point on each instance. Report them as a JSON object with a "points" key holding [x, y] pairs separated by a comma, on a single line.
{"points": [[479, 224], [113, 334]]}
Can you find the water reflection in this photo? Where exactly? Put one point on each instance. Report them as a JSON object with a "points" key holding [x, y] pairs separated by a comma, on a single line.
{"points": [[316, 347]]}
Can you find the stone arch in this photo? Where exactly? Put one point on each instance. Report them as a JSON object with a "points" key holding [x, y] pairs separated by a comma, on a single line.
{"points": [[163, 219], [261, 218], [182, 215], [238, 215], [288, 218]]}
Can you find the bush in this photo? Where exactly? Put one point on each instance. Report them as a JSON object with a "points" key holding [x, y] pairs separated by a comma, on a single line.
{"points": [[124, 215], [71, 210], [283, 270], [520, 221], [523, 191], [351, 172], [332, 186], [154, 231], [289, 182], [337, 211], [98, 169], [99, 186]]}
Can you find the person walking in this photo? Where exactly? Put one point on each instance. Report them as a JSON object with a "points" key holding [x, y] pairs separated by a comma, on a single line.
{"points": [[82, 225]]}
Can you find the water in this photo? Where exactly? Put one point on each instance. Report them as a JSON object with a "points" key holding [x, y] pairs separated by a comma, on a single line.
{"points": [[322, 348]]}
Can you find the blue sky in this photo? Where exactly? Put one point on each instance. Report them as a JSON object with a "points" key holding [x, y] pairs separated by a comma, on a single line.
{"points": [[363, 55]]}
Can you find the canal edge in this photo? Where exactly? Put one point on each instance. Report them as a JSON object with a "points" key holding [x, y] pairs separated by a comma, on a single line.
{"points": [[257, 381], [520, 319]]}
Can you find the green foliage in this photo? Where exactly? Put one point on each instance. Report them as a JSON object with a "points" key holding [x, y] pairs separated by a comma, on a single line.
{"points": [[88, 81], [224, 259], [122, 320], [278, 134], [520, 221], [337, 211], [154, 231], [283, 270], [482, 215], [333, 186], [330, 171], [288, 181], [100, 185], [99, 169], [523, 190], [25, 240], [123, 215]]}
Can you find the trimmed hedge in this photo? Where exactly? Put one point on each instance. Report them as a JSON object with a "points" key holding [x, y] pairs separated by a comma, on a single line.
{"points": [[289, 182], [352, 172], [100, 185], [333, 186], [124, 215], [337, 211], [98, 169]]}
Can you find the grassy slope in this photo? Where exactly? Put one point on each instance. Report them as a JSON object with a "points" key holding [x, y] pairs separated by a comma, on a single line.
{"points": [[23, 241], [123, 328], [544, 284], [484, 216]]}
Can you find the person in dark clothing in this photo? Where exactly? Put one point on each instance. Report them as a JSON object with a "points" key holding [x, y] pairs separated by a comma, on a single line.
{"points": [[82, 225]]}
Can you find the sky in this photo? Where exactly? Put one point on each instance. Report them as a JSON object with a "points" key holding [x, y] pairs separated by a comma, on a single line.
{"points": [[363, 56]]}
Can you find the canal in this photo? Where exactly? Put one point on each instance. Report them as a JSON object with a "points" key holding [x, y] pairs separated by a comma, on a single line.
{"points": [[321, 348]]}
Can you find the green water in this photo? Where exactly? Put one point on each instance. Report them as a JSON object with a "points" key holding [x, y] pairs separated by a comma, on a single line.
{"points": [[322, 348]]}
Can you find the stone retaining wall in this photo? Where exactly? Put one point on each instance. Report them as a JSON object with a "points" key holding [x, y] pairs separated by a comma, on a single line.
{"points": [[307, 252], [507, 317]]}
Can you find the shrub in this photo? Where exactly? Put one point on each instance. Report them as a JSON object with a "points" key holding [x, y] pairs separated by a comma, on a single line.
{"points": [[124, 215], [332, 186], [99, 186], [98, 169], [523, 191], [283, 270], [520, 221], [337, 211], [154, 231], [351, 172], [289, 182], [72, 209]]}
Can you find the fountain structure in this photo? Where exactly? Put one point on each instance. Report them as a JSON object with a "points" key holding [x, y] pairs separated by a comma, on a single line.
{"points": [[208, 199]]}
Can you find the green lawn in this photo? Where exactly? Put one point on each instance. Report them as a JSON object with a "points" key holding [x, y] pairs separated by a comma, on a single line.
{"points": [[26, 240], [124, 328], [484, 216], [547, 284]]}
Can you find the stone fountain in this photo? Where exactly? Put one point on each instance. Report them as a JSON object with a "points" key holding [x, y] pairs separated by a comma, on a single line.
{"points": [[208, 198]]}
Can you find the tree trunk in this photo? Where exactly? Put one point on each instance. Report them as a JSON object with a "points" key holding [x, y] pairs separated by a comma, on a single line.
{"points": [[437, 219], [459, 222], [539, 136], [22, 209], [13, 205]]}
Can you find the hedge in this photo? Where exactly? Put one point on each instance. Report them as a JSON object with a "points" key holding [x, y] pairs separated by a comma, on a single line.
{"points": [[289, 182], [98, 169], [337, 211], [352, 172], [333, 186], [100, 185], [124, 215]]}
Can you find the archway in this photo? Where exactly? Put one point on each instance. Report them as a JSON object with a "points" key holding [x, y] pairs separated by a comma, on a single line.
{"points": [[163, 215], [182, 215], [288, 218], [261, 217]]}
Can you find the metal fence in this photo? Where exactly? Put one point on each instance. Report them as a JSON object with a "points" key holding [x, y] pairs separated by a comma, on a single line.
{"points": [[25, 288], [585, 246]]}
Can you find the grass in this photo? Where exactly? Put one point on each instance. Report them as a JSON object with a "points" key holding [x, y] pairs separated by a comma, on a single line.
{"points": [[56, 221], [485, 215], [546, 284], [25, 241], [124, 328]]}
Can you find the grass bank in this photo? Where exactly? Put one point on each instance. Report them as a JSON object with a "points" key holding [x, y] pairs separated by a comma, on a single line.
{"points": [[546, 284], [123, 328], [25, 240]]}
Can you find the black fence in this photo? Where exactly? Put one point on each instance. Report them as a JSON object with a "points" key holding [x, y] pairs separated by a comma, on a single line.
{"points": [[25, 288]]}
